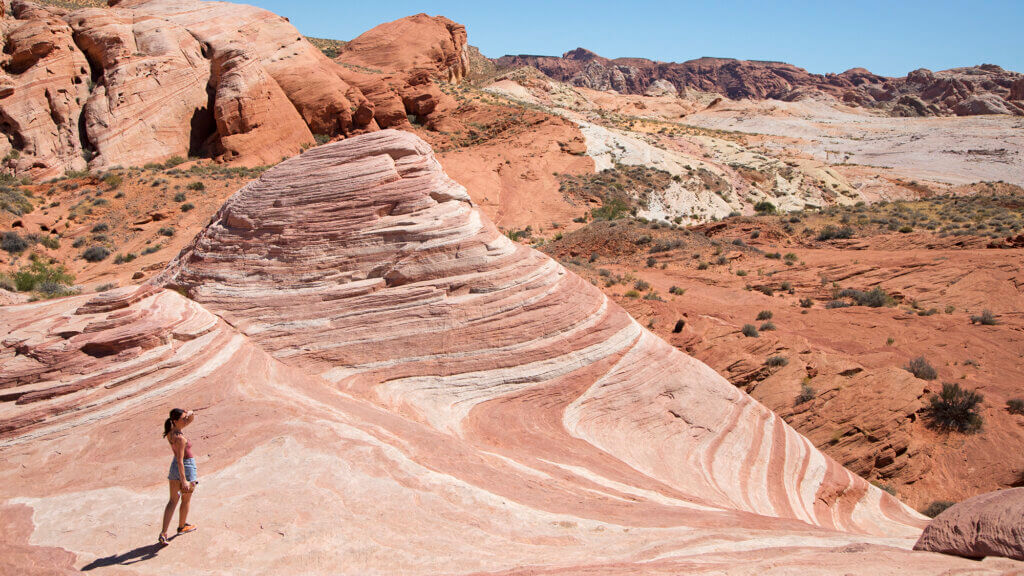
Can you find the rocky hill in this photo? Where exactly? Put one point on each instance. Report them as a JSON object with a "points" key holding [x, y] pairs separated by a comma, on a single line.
{"points": [[985, 89], [387, 383]]}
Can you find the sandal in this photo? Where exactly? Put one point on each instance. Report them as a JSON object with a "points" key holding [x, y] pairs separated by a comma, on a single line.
{"points": [[162, 540], [186, 528]]}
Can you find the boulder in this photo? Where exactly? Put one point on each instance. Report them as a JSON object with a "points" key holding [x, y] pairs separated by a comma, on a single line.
{"points": [[991, 524], [979, 104], [420, 42]]}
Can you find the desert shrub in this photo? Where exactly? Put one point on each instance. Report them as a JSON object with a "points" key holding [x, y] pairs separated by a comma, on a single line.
{"points": [[741, 272], [611, 209], [50, 241], [721, 260], [174, 161], [702, 266], [641, 285], [95, 253], [806, 303], [920, 368], [806, 394], [749, 330], [101, 227], [766, 290], [676, 290], [906, 229], [322, 139], [40, 271], [1015, 406], [767, 327], [837, 304], [955, 409], [187, 206], [653, 296], [786, 286], [124, 258], [875, 298], [604, 272], [986, 318], [831, 232], [180, 197], [764, 315], [776, 361], [774, 255], [14, 201], [152, 249], [765, 207], [632, 294], [49, 289], [937, 507], [755, 234], [13, 243], [166, 231], [790, 257], [113, 180], [106, 287], [79, 242]]}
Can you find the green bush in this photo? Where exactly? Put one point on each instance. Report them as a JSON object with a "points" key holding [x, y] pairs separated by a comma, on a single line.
{"points": [[197, 186], [14, 201], [166, 231], [1015, 406], [180, 197], [101, 227], [641, 285], [749, 330], [955, 409], [676, 290], [632, 294], [113, 180], [764, 315], [152, 249], [39, 272], [124, 258], [95, 253], [767, 327], [187, 206], [765, 207], [920, 368], [13, 243]]}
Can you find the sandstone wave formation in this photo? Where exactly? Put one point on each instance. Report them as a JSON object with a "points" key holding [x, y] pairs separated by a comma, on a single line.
{"points": [[387, 384], [984, 89], [144, 81]]}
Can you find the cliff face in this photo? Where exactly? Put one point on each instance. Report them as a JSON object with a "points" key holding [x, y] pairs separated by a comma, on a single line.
{"points": [[421, 387], [146, 80], [985, 89]]}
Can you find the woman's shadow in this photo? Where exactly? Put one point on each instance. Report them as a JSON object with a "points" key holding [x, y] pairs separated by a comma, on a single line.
{"points": [[140, 554]]}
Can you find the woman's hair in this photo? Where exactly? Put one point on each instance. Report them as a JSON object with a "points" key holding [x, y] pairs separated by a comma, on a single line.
{"points": [[175, 414]]}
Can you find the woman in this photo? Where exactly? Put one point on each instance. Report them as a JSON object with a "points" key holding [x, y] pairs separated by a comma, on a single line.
{"points": [[182, 477]]}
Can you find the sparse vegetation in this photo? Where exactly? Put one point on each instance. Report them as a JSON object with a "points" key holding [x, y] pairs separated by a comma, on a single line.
{"points": [[807, 393], [187, 207], [13, 243], [764, 315], [180, 197], [986, 318], [765, 207], [937, 507], [15, 201], [776, 361], [767, 327], [831, 232], [166, 231], [806, 303], [45, 276], [750, 331], [95, 253], [1015, 406], [920, 368], [197, 186], [125, 258], [955, 409]]}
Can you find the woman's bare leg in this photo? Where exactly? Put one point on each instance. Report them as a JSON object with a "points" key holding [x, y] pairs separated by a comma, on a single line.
{"points": [[172, 503], [186, 498]]}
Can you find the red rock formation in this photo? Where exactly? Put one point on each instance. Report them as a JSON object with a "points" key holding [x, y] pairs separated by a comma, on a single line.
{"points": [[420, 42], [43, 87], [987, 525], [424, 391], [740, 79], [146, 80]]}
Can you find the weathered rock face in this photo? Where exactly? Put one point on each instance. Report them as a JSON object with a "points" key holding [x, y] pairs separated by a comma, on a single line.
{"points": [[987, 525], [43, 88], [432, 397], [146, 80], [940, 92], [420, 42]]}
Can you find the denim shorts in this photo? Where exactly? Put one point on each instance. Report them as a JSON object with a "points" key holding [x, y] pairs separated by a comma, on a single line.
{"points": [[191, 473]]}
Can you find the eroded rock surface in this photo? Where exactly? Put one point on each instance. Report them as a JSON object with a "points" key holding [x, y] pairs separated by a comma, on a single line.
{"points": [[430, 396], [991, 524]]}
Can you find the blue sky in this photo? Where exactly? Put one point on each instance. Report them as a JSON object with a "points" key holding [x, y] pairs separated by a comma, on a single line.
{"points": [[888, 37]]}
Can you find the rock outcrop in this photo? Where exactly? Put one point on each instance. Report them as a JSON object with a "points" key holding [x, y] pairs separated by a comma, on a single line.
{"points": [[987, 525], [985, 89], [147, 80], [431, 397], [420, 42]]}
